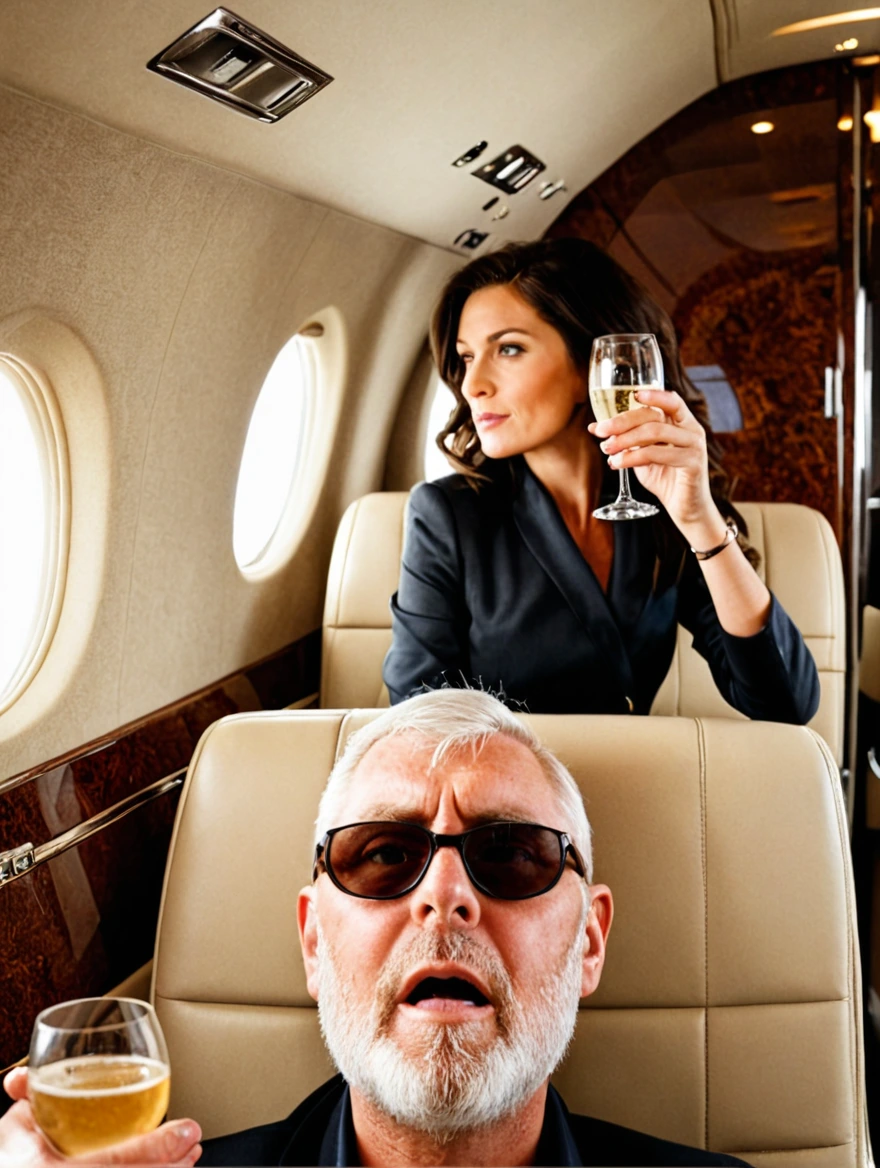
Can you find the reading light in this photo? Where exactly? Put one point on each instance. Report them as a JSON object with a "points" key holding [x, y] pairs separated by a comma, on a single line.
{"points": [[845, 123], [763, 128], [847, 45], [828, 21]]}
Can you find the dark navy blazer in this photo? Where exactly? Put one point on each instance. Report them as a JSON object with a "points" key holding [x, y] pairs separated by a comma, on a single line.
{"points": [[321, 1132], [495, 593]]}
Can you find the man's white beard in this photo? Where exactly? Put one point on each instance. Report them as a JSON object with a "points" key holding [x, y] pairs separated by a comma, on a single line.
{"points": [[457, 1082]]}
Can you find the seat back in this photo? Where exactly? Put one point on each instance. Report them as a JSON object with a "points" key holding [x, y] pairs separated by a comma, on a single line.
{"points": [[800, 563], [729, 1011], [364, 571]]}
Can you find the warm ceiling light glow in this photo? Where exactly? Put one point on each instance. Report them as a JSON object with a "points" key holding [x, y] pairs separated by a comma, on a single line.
{"points": [[874, 59], [872, 120], [763, 127], [845, 123], [847, 45], [828, 21]]}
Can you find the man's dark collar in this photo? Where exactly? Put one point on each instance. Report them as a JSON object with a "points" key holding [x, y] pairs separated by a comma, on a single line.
{"points": [[556, 1144]]}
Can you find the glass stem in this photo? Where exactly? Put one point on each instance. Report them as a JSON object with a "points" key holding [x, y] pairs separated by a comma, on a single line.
{"points": [[624, 485]]}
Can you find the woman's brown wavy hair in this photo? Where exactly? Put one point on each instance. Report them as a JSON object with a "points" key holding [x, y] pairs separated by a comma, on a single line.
{"points": [[583, 293]]}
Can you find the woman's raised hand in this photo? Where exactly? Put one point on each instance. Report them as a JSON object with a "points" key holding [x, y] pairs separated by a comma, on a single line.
{"points": [[666, 447]]}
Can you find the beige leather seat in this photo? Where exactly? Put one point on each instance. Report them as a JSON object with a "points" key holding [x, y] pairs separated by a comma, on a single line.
{"points": [[800, 562], [729, 1012]]}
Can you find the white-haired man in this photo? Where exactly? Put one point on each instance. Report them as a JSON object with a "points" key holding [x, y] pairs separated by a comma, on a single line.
{"points": [[450, 930]]}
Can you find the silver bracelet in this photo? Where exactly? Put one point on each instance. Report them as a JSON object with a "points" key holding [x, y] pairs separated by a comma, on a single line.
{"points": [[729, 536]]}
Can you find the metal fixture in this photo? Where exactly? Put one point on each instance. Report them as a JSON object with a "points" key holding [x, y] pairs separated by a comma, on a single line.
{"points": [[511, 171], [502, 212], [233, 62], [16, 862], [470, 239], [19, 861], [549, 189], [471, 155]]}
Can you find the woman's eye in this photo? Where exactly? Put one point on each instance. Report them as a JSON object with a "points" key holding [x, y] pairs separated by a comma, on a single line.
{"points": [[510, 350], [466, 358]]}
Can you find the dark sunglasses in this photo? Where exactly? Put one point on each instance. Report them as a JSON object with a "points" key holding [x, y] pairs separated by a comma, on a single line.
{"points": [[384, 860]]}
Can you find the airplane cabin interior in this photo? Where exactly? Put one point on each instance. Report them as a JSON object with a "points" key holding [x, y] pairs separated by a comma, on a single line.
{"points": [[224, 233]]}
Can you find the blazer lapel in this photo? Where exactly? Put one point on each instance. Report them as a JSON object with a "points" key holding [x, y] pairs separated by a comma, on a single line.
{"points": [[544, 533]]}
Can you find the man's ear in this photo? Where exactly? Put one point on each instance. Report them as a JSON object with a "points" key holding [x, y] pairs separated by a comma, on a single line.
{"points": [[595, 936], [307, 920]]}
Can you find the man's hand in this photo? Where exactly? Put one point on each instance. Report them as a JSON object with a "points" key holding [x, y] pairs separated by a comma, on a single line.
{"points": [[23, 1146]]}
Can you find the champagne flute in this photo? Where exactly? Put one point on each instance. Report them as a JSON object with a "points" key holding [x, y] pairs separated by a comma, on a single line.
{"points": [[620, 364], [98, 1073]]}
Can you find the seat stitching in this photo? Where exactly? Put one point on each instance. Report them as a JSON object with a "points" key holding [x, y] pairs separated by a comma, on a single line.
{"points": [[701, 746], [788, 1151], [855, 1050]]}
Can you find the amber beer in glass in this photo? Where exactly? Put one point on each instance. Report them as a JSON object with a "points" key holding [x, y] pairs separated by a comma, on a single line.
{"points": [[98, 1073]]}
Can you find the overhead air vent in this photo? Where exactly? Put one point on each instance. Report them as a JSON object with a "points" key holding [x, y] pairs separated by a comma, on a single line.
{"points": [[511, 171], [235, 63]]}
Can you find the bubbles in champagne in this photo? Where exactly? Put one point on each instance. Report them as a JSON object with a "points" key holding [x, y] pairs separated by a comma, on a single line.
{"points": [[607, 402], [88, 1103]]}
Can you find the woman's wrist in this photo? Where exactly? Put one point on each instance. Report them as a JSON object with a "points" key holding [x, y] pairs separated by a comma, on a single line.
{"points": [[706, 532]]}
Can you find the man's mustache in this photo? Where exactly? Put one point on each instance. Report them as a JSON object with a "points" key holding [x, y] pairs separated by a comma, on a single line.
{"points": [[459, 947]]}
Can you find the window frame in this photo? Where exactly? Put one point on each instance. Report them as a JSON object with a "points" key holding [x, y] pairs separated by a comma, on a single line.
{"points": [[42, 407], [325, 358]]}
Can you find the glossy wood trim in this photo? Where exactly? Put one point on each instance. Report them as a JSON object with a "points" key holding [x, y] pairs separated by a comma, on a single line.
{"points": [[83, 921]]}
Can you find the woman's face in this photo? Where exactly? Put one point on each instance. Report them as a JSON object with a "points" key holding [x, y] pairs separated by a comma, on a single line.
{"points": [[520, 381]]}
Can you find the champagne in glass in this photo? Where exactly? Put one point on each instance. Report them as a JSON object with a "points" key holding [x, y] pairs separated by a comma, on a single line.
{"points": [[620, 365], [98, 1073]]}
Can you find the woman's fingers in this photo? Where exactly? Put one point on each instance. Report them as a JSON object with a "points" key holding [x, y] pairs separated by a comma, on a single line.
{"points": [[653, 402], [654, 455], [668, 401], [652, 433]]}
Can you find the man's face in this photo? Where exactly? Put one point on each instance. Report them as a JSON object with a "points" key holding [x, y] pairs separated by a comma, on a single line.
{"points": [[444, 989]]}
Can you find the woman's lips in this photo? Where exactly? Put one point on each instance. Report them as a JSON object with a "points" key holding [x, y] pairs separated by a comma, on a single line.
{"points": [[488, 421]]}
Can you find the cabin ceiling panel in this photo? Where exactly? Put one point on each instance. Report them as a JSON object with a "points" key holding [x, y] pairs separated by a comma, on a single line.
{"points": [[416, 83], [746, 43]]}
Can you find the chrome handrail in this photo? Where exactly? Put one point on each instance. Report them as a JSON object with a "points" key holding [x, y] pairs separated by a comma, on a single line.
{"points": [[19, 861]]}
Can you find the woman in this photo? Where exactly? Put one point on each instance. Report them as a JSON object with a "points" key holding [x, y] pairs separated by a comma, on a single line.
{"points": [[508, 582]]}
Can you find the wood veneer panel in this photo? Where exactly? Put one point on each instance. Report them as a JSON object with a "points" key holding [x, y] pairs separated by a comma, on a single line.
{"points": [[83, 922]]}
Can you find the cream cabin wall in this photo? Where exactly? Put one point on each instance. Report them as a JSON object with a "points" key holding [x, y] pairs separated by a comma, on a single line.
{"points": [[183, 281]]}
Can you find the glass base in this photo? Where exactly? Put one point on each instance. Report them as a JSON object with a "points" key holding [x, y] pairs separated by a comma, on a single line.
{"points": [[626, 509]]}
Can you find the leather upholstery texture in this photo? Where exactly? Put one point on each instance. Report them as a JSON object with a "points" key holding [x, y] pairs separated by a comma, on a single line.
{"points": [[729, 1011], [800, 563]]}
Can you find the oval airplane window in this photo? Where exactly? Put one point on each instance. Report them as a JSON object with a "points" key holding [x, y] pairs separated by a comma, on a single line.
{"points": [[273, 453], [436, 466], [34, 506]]}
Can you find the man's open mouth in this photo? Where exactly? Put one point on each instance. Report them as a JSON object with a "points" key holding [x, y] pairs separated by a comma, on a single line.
{"points": [[447, 988]]}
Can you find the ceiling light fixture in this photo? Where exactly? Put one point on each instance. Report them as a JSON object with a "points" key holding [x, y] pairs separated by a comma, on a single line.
{"points": [[828, 21], [872, 121], [763, 128], [873, 59], [845, 123], [239, 65], [847, 46]]}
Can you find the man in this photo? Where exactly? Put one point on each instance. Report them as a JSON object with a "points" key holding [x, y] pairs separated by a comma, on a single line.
{"points": [[456, 850]]}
